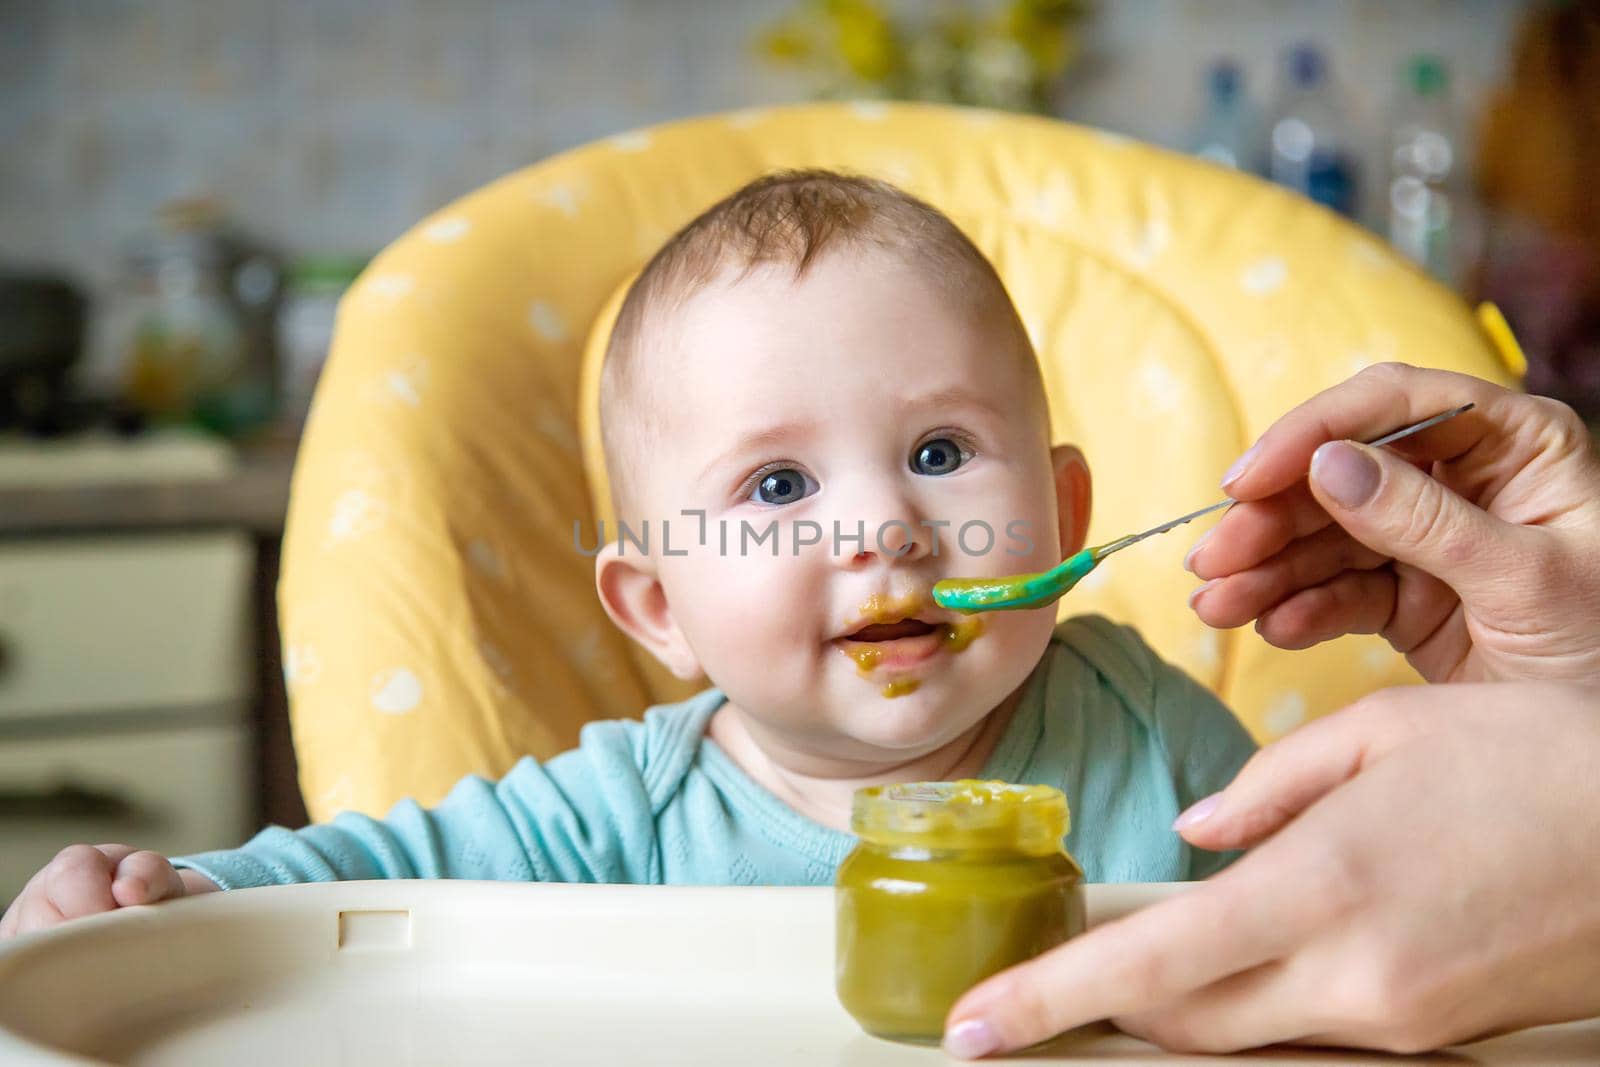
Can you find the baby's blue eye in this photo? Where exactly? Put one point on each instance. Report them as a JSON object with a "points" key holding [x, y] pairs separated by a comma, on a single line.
{"points": [[782, 486], [939, 456]]}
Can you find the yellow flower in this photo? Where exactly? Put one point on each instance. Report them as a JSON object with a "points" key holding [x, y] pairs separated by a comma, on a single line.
{"points": [[866, 39]]}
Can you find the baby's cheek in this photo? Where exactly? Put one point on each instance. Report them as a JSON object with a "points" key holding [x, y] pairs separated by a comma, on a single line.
{"points": [[741, 613], [1008, 529], [1017, 546], [1010, 645]]}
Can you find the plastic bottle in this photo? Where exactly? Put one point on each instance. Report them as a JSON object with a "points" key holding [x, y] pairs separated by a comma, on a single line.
{"points": [[1424, 203], [1310, 146], [1229, 132]]}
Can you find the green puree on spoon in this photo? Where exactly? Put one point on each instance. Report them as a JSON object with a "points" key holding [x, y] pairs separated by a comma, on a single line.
{"points": [[1020, 591]]}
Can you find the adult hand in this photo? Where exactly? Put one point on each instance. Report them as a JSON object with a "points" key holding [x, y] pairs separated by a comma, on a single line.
{"points": [[88, 879], [1428, 872], [1473, 547]]}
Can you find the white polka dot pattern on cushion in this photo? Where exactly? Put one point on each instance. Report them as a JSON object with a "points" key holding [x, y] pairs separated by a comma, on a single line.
{"points": [[498, 662], [1377, 658], [632, 141], [1161, 389], [340, 794], [389, 287], [403, 387], [1370, 254], [1051, 202], [356, 513], [486, 561], [1273, 356], [446, 230], [564, 198], [747, 117], [301, 666], [558, 429], [1264, 276], [401, 384], [896, 170], [1284, 714], [396, 691], [1148, 240], [1098, 578], [870, 110], [585, 650], [547, 321], [1207, 650], [1380, 348]]}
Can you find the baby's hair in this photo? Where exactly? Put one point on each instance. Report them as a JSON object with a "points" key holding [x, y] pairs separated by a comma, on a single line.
{"points": [[787, 218]]}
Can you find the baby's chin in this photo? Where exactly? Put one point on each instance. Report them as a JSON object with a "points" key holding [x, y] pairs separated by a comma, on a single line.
{"points": [[913, 722]]}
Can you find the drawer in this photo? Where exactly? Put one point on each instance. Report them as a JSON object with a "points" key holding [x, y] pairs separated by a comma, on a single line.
{"points": [[174, 790], [107, 623]]}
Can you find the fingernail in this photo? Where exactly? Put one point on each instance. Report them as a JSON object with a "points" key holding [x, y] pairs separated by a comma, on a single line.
{"points": [[1194, 596], [970, 1039], [1345, 473], [1188, 560], [1240, 464], [1198, 812]]}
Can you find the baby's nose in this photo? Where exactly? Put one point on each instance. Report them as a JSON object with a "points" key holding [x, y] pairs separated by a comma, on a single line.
{"points": [[893, 540], [897, 538]]}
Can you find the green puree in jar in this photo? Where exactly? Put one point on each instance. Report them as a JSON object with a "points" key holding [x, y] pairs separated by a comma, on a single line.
{"points": [[950, 883]]}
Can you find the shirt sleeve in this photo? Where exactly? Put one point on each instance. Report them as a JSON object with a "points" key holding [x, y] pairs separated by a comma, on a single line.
{"points": [[1206, 746], [585, 816]]}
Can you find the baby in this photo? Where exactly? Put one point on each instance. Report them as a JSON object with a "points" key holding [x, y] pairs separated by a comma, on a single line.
{"points": [[819, 395]]}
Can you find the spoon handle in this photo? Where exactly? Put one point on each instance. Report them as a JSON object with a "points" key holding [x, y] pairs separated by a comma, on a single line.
{"points": [[1102, 551]]}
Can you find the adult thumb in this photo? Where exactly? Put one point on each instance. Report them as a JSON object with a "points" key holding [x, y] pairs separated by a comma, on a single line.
{"points": [[1394, 508]]}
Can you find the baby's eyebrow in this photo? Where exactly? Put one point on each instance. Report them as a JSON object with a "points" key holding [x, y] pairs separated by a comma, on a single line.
{"points": [[763, 438], [957, 396]]}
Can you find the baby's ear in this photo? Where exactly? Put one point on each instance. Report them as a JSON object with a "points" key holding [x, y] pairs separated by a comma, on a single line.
{"points": [[1073, 496], [632, 595]]}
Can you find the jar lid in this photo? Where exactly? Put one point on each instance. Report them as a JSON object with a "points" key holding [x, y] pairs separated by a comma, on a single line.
{"points": [[964, 814]]}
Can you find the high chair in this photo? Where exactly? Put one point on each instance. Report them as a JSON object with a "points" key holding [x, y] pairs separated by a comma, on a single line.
{"points": [[438, 618]]}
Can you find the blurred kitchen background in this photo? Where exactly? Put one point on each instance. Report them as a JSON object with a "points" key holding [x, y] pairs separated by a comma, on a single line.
{"points": [[187, 186]]}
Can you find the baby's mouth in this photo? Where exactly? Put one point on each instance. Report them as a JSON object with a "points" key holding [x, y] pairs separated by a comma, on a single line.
{"points": [[899, 646], [894, 647], [892, 631]]}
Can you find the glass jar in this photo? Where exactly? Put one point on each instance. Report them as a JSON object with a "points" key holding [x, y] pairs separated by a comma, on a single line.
{"points": [[951, 882], [187, 322]]}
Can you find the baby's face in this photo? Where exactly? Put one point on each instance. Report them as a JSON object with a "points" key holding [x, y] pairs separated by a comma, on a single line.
{"points": [[860, 398]]}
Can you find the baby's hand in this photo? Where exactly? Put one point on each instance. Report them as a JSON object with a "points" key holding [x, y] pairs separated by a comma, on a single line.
{"points": [[88, 879]]}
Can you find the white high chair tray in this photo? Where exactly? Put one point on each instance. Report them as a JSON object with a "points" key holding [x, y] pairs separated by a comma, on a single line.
{"points": [[358, 973]]}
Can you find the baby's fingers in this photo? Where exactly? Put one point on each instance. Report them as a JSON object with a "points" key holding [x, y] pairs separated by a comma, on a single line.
{"points": [[10, 922], [78, 881], [145, 878], [33, 911]]}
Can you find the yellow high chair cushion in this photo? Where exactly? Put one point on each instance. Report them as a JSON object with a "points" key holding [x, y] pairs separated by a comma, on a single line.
{"points": [[438, 616]]}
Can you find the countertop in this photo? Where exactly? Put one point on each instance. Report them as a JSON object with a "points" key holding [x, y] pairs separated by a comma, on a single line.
{"points": [[161, 483]]}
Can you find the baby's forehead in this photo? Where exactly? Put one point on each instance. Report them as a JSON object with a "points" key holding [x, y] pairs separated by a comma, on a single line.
{"points": [[848, 340], [872, 302]]}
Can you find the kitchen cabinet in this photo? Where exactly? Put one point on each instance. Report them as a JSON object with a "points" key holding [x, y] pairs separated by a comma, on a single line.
{"points": [[126, 687]]}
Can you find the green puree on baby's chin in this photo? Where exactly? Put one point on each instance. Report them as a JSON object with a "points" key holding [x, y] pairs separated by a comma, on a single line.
{"points": [[949, 884]]}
